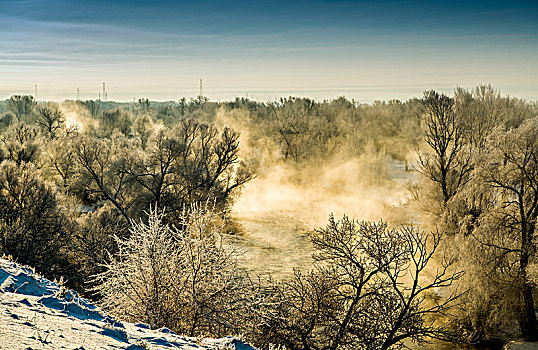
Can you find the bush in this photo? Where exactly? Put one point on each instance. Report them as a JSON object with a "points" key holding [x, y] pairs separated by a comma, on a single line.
{"points": [[33, 226], [93, 241], [183, 279]]}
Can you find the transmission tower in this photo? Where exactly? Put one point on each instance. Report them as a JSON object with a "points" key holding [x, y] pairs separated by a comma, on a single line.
{"points": [[78, 94], [201, 90], [104, 92]]}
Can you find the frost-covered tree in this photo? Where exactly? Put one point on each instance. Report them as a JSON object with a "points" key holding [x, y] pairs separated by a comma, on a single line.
{"points": [[20, 143], [502, 205], [143, 128], [186, 279], [21, 106]]}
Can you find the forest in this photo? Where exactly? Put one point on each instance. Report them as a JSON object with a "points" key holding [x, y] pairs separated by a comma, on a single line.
{"points": [[132, 205]]}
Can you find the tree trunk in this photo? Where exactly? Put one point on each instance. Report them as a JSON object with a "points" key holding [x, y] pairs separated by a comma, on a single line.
{"points": [[528, 317], [527, 320]]}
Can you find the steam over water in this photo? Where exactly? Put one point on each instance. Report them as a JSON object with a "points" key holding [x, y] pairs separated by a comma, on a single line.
{"points": [[277, 214], [274, 242]]}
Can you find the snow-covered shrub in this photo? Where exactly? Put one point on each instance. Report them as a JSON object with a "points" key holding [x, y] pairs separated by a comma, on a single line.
{"points": [[185, 279]]}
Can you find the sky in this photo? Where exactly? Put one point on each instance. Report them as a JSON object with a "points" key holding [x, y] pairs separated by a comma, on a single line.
{"points": [[364, 50]]}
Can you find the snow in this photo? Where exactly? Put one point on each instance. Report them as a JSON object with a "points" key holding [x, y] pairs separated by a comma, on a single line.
{"points": [[36, 313], [520, 345]]}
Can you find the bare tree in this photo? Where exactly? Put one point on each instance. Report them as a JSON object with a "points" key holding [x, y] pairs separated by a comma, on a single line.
{"points": [[92, 242], [143, 105], [448, 165], [102, 173], [94, 107], [372, 288], [293, 118], [191, 164], [61, 167], [50, 118]]}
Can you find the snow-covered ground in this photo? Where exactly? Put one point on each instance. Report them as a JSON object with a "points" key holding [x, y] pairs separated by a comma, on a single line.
{"points": [[36, 313], [520, 345]]}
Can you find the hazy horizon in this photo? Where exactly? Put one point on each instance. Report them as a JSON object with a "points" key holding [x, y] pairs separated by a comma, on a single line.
{"points": [[322, 49]]}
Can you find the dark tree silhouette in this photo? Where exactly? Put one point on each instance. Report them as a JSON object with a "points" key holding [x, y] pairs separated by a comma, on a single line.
{"points": [[448, 165], [50, 119], [371, 289]]}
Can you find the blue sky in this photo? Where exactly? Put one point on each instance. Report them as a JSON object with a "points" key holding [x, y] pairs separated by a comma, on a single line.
{"points": [[323, 49]]}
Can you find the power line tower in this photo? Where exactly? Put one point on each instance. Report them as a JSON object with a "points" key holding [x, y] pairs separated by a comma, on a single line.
{"points": [[201, 90], [104, 92], [78, 94]]}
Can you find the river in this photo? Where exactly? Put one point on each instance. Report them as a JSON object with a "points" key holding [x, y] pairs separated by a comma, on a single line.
{"points": [[277, 215]]}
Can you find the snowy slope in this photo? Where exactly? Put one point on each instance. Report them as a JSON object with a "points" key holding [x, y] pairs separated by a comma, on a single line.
{"points": [[36, 313]]}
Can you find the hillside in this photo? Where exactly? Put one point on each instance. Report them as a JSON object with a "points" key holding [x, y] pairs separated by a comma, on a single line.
{"points": [[36, 313]]}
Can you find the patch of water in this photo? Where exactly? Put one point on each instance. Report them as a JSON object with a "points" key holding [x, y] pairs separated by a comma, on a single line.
{"points": [[275, 242]]}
